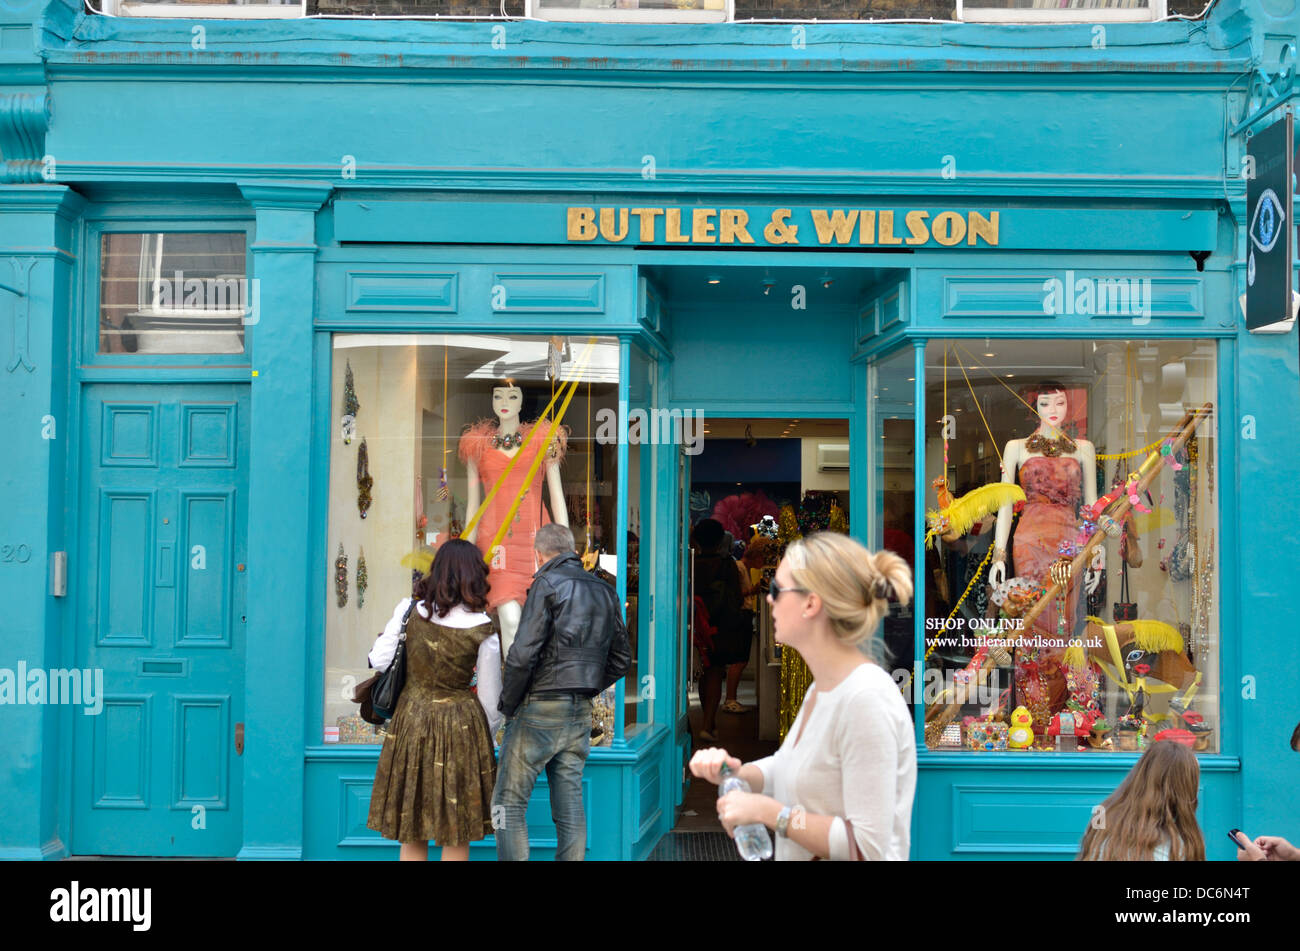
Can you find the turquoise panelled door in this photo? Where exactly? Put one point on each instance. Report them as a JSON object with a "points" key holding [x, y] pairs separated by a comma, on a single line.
{"points": [[161, 611]]}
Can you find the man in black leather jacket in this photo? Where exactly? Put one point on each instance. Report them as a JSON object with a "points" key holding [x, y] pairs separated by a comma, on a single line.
{"points": [[571, 644]]}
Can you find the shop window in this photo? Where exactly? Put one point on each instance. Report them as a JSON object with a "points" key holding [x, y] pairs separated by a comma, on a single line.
{"points": [[891, 477], [184, 292], [1060, 11], [207, 9], [632, 11], [1072, 583], [398, 487]]}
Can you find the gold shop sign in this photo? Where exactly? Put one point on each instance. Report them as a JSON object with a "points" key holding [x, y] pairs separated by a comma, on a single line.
{"points": [[802, 227]]}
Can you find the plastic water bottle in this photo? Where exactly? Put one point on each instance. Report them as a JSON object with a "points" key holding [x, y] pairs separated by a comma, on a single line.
{"points": [[752, 840]]}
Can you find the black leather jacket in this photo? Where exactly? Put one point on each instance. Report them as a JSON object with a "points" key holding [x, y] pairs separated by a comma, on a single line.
{"points": [[571, 635]]}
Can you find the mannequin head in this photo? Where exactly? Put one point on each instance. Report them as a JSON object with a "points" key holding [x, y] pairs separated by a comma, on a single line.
{"points": [[507, 402], [1052, 406]]}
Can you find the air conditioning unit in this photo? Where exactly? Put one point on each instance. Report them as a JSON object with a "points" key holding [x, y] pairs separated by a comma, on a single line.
{"points": [[832, 457]]}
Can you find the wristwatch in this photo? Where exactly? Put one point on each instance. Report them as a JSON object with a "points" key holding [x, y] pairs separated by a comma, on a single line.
{"points": [[783, 822]]}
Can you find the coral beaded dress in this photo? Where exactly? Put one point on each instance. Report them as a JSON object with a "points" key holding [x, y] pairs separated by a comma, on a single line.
{"points": [[1053, 491], [511, 565]]}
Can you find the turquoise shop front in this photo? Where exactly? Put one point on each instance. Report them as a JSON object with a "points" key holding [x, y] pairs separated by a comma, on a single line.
{"points": [[225, 467]]}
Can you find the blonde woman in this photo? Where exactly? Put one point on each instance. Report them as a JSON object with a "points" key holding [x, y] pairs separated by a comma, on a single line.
{"points": [[841, 784]]}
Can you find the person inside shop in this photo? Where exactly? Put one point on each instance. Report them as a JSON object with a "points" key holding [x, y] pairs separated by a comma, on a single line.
{"points": [[436, 772], [716, 582], [1152, 814], [748, 618], [851, 752], [571, 644], [1268, 848]]}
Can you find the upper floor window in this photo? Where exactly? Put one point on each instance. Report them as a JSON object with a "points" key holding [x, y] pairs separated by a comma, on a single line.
{"points": [[208, 9], [183, 292], [634, 11], [1060, 11]]}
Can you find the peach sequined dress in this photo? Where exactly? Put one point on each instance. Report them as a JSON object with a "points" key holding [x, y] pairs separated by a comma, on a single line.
{"points": [[512, 565]]}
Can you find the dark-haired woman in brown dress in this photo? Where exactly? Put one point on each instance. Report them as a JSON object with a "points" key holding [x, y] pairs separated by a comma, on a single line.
{"points": [[436, 770]]}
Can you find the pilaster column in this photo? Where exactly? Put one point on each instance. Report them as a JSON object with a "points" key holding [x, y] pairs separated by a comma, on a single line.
{"points": [[279, 517], [37, 268]]}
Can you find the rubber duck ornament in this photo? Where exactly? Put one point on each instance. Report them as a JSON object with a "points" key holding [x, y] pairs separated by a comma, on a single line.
{"points": [[1021, 734]]}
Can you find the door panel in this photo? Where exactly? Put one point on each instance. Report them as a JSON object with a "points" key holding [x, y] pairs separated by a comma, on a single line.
{"points": [[160, 610]]}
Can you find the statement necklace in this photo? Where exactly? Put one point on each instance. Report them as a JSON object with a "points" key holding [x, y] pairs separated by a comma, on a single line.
{"points": [[508, 441], [1050, 447]]}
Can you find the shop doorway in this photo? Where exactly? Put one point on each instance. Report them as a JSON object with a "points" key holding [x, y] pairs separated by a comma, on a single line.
{"points": [[160, 621], [748, 471]]}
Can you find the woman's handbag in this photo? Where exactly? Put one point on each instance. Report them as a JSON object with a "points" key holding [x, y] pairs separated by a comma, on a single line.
{"points": [[378, 695]]}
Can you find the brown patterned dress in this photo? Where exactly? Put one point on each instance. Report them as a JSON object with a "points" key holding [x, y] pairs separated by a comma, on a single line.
{"points": [[436, 770]]}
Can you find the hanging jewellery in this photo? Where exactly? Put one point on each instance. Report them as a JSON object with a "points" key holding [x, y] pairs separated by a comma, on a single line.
{"points": [[364, 480], [1060, 574]]}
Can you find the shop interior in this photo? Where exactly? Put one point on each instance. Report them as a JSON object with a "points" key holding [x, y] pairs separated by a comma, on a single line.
{"points": [[764, 480]]}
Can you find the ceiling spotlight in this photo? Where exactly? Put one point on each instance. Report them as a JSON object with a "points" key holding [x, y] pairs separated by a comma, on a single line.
{"points": [[1010, 375], [989, 354], [826, 279], [768, 284], [714, 279]]}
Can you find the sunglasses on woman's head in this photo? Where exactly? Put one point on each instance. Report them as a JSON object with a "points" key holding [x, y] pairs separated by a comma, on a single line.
{"points": [[775, 590]]}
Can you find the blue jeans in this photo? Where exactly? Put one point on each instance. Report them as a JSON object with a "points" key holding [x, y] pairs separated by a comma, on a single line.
{"points": [[554, 735]]}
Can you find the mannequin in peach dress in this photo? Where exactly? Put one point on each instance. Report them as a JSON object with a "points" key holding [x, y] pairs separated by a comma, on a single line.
{"points": [[1057, 473], [486, 448]]}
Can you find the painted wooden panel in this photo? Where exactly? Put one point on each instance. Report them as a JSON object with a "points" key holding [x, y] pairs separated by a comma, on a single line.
{"points": [[1075, 293], [130, 435], [207, 435], [354, 810], [1012, 819], [121, 757], [125, 568], [201, 757], [206, 527], [410, 291], [543, 292]]}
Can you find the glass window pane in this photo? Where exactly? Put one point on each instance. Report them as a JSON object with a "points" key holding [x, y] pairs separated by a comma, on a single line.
{"points": [[174, 293], [1048, 455], [406, 400], [891, 475]]}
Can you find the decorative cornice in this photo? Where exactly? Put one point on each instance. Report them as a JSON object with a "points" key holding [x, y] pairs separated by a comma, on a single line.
{"points": [[24, 120], [293, 195], [44, 198]]}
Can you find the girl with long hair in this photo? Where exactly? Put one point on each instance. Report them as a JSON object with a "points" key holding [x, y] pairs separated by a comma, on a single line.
{"points": [[841, 785], [436, 771], [1152, 815]]}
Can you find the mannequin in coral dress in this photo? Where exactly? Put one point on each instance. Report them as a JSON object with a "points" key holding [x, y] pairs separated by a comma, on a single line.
{"points": [[1057, 473], [486, 448]]}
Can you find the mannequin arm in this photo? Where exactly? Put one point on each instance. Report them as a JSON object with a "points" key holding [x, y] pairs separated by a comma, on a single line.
{"points": [[1088, 462], [1002, 532], [473, 499], [559, 511]]}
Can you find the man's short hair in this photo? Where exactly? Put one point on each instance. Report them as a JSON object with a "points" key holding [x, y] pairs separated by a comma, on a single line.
{"points": [[553, 539]]}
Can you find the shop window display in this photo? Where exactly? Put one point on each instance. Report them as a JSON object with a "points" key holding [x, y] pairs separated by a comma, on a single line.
{"points": [[443, 436], [1072, 576]]}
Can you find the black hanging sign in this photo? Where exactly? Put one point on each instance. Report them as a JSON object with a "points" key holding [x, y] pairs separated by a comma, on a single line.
{"points": [[1269, 234]]}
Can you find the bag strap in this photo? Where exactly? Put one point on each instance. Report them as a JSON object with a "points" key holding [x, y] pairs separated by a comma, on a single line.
{"points": [[405, 618]]}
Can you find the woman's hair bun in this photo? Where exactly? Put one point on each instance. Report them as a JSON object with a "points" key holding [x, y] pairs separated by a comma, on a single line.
{"points": [[881, 589]]}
